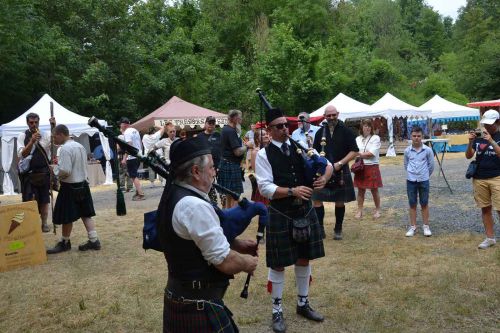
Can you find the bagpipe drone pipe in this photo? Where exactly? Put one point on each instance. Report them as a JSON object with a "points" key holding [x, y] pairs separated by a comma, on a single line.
{"points": [[314, 164], [233, 221]]}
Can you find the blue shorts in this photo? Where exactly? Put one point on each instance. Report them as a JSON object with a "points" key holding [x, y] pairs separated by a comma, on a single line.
{"points": [[422, 188], [132, 167]]}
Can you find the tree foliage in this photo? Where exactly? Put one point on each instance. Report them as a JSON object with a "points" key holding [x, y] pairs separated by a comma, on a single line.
{"points": [[127, 57]]}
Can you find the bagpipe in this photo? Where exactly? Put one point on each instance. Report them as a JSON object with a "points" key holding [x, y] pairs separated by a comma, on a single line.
{"points": [[314, 164], [234, 221]]}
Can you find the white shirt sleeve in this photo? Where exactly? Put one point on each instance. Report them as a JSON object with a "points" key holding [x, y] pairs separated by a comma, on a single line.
{"points": [[63, 168], [264, 175], [20, 144], [194, 219]]}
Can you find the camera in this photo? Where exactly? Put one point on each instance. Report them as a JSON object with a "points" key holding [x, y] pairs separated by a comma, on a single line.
{"points": [[479, 133], [302, 118]]}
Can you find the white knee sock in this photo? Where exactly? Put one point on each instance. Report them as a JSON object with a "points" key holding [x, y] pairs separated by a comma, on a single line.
{"points": [[92, 235], [302, 276], [277, 279]]}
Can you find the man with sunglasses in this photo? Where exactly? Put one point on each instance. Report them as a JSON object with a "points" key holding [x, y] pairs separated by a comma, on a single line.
{"points": [[280, 176], [35, 184], [340, 149], [214, 141]]}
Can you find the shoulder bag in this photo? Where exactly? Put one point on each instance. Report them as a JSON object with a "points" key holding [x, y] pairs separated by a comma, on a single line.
{"points": [[472, 169], [359, 165]]}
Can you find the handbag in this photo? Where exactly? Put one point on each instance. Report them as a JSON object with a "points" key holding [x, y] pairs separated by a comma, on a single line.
{"points": [[359, 165], [23, 166], [472, 169]]}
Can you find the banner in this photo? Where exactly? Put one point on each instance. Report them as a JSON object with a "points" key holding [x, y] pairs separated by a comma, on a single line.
{"points": [[21, 241], [191, 122]]}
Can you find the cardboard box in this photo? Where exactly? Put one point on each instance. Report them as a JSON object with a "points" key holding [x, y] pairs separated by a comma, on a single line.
{"points": [[21, 241]]}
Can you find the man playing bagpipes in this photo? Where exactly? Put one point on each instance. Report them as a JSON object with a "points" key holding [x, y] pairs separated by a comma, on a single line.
{"points": [[293, 231], [199, 257]]}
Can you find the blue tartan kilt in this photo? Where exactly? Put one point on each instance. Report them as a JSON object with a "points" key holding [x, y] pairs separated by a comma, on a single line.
{"points": [[210, 317], [333, 191], [229, 176], [73, 202], [281, 249]]}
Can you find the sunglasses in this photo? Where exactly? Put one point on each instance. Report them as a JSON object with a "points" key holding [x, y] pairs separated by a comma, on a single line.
{"points": [[330, 115], [280, 126], [211, 122]]}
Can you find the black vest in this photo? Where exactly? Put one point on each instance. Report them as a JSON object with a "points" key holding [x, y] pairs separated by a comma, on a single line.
{"points": [[38, 162], [288, 171], [184, 259]]}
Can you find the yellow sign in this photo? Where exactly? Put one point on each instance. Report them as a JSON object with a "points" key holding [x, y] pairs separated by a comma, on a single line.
{"points": [[21, 241]]}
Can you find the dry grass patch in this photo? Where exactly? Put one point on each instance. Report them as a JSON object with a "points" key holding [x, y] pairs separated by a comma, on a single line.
{"points": [[375, 280]]}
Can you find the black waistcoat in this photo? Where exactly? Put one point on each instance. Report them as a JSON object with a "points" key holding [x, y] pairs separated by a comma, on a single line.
{"points": [[184, 259], [38, 162], [288, 171]]}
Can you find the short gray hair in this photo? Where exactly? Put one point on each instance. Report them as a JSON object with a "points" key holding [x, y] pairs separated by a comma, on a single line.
{"points": [[234, 113], [183, 172]]}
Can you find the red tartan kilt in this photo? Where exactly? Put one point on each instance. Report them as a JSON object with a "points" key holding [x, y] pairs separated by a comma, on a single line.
{"points": [[369, 178]]}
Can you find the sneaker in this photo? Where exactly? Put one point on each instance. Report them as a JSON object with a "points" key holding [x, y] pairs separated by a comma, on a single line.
{"points": [[488, 242], [411, 231], [427, 231], [90, 246], [61, 246]]}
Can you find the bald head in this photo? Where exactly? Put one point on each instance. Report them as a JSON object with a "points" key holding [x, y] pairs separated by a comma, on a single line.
{"points": [[331, 115]]}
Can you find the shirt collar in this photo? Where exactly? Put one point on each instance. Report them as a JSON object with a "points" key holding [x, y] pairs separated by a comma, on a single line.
{"points": [[194, 189], [279, 144]]}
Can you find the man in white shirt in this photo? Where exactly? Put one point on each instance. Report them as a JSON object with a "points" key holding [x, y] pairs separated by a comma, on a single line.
{"points": [[305, 132], [74, 200], [133, 138], [149, 140], [200, 260], [35, 185]]}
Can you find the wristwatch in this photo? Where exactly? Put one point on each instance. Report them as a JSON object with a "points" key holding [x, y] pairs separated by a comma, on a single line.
{"points": [[340, 163], [290, 192]]}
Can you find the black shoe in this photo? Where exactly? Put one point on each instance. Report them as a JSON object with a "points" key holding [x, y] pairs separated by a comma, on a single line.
{"points": [[61, 246], [337, 235], [307, 312], [90, 246], [278, 322]]}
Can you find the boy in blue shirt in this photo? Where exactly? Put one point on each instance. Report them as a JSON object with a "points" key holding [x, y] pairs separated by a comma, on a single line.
{"points": [[419, 164]]}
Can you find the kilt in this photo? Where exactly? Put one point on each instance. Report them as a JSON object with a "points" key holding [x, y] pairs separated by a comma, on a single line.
{"points": [[206, 317], [370, 178], [73, 201], [229, 176], [281, 249], [335, 192]]}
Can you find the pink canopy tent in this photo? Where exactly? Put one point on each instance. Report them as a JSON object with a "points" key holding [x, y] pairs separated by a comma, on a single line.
{"points": [[486, 105], [181, 113]]}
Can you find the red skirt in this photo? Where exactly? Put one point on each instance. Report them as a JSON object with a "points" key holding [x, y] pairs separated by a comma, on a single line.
{"points": [[368, 179]]}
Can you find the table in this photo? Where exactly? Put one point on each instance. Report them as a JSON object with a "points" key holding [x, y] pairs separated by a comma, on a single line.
{"points": [[433, 143], [95, 174]]}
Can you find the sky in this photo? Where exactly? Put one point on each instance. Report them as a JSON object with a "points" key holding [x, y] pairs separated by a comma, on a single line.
{"points": [[447, 7]]}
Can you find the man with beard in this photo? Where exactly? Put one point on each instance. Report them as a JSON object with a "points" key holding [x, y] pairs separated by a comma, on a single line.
{"points": [[36, 183], [340, 149], [200, 260], [233, 152], [214, 141], [280, 177], [305, 132]]}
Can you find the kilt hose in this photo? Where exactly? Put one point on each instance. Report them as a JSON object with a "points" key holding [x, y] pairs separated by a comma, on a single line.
{"points": [[201, 317], [73, 202], [229, 176], [333, 191], [369, 178], [281, 249]]}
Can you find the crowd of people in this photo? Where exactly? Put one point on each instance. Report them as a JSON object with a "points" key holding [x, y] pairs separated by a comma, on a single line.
{"points": [[200, 259]]}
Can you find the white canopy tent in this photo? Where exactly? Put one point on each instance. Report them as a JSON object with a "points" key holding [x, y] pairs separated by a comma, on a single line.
{"points": [[389, 107], [76, 124], [445, 111], [347, 108]]}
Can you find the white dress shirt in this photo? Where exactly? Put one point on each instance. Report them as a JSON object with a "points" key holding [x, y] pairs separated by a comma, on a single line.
{"points": [[44, 142], [300, 136], [71, 163], [372, 143], [195, 219]]}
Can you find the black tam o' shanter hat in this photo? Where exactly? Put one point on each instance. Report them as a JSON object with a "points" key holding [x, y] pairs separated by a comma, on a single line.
{"points": [[272, 114], [182, 151]]}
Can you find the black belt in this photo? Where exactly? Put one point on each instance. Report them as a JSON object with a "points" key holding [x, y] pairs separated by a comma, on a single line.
{"points": [[197, 289]]}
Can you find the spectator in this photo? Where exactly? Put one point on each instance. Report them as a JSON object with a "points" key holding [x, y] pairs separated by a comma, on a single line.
{"points": [[305, 132], [260, 133], [214, 141], [132, 137], [249, 142], [149, 140]]}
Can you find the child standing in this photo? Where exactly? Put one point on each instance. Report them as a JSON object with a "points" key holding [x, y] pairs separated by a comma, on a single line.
{"points": [[419, 164]]}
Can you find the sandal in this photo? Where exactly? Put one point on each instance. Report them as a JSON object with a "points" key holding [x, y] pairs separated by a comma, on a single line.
{"points": [[359, 214], [377, 214]]}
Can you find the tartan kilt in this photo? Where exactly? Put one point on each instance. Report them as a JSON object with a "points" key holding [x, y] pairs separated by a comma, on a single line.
{"points": [[186, 318], [68, 208], [281, 249], [229, 176], [333, 191], [370, 178]]}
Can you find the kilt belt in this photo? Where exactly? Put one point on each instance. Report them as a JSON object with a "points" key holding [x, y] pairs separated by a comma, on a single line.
{"points": [[196, 290]]}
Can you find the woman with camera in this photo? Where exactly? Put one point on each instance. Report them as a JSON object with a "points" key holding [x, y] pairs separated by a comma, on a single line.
{"points": [[486, 179], [370, 177]]}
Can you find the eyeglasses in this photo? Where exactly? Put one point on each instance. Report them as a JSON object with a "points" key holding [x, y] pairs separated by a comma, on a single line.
{"points": [[281, 126]]}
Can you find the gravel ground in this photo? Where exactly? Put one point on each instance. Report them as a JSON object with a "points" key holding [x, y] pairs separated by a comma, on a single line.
{"points": [[449, 212]]}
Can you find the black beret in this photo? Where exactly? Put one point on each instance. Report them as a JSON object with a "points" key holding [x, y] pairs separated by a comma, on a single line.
{"points": [[273, 114], [182, 151]]}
